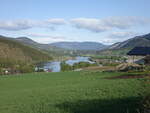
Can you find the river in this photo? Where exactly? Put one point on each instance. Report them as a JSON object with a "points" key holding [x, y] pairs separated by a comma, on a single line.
{"points": [[54, 66]]}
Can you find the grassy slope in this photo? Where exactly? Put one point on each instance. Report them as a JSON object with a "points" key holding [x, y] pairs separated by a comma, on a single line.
{"points": [[18, 52], [68, 92]]}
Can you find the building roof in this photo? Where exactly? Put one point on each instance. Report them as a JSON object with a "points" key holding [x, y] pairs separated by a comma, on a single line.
{"points": [[141, 51]]}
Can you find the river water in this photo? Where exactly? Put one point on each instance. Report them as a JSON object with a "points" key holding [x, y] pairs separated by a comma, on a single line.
{"points": [[79, 59], [56, 67]]}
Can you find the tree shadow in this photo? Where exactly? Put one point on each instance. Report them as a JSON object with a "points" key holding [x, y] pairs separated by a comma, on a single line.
{"points": [[126, 105]]}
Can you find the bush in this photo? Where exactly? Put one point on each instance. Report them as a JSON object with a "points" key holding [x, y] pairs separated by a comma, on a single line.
{"points": [[27, 69], [83, 64], [146, 105], [66, 67], [1, 71], [147, 60], [147, 68]]}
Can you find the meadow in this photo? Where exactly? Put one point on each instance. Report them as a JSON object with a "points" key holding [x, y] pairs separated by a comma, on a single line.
{"points": [[70, 92]]}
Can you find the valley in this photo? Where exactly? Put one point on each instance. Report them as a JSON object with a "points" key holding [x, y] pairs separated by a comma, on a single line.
{"points": [[75, 56], [64, 78]]}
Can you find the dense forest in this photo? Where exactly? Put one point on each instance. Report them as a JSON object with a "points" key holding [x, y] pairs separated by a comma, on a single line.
{"points": [[16, 56]]}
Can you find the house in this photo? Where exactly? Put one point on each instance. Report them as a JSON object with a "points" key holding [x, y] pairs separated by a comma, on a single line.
{"points": [[139, 51], [139, 54]]}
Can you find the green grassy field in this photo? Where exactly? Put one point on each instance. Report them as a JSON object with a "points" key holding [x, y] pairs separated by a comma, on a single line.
{"points": [[69, 92]]}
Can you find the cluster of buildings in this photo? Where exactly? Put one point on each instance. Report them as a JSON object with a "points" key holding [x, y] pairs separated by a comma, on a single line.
{"points": [[140, 55]]}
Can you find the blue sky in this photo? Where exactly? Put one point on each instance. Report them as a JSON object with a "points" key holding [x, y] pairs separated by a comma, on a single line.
{"points": [[46, 21]]}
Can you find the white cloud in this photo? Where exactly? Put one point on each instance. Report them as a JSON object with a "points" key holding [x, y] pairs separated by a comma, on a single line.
{"points": [[90, 24], [101, 25], [56, 21], [122, 35], [16, 25], [38, 35], [46, 38]]}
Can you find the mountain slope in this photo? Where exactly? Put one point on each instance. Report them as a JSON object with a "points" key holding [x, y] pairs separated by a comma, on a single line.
{"points": [[12, 51], [79, 45], [143, 40], [52, 50], [122, 48], [26, 40], [63, 48]]}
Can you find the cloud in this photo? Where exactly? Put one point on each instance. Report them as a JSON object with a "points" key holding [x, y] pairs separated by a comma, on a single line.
{"points": [[56, 21], [101, 25], [46, 38], [122, 35], [118, 37], [91, 24], [16, 25], [38, 35]]}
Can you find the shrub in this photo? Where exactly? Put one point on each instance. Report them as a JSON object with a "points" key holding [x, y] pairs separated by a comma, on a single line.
{"points": [[66, 67], [147, 60], [146, 104], [27, 69], [83, 64], [1, 71]]}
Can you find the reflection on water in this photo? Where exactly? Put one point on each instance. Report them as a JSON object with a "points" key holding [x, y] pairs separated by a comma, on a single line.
{"points": [[79, 59], [55, 66]]}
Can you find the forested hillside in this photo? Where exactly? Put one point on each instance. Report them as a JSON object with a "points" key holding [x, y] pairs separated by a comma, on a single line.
{"points": [[12, 52]]}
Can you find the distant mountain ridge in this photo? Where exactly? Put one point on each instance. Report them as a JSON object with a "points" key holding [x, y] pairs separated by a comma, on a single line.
{"points": [[52, 50], [63, 45], [74, 48], [79, 45], [143, 40]]}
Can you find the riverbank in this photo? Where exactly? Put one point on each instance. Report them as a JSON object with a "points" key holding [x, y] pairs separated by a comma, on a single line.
{"points": [[56, 66]]}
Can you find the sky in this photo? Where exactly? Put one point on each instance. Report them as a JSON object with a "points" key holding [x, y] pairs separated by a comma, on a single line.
{"points": [[47, 21]]}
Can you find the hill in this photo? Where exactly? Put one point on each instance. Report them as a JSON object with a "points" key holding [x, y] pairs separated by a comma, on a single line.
{"points": [[79, 45], [143, 40], [52, 50], [26, 40], [122, 48], [13, 52], [63, 48]]}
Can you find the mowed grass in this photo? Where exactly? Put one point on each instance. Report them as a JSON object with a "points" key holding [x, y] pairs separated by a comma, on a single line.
{"points": [[69, 92]]}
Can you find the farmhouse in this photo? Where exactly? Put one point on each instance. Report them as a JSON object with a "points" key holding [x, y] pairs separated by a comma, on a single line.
{"points": [[141, 51]]}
